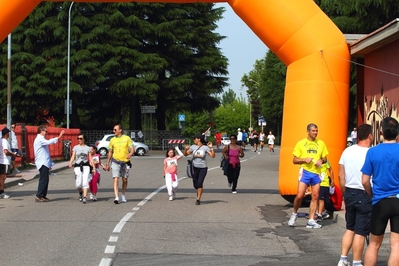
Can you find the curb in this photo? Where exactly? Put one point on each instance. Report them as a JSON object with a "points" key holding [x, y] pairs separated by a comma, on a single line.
{"points": [[15, 181]]}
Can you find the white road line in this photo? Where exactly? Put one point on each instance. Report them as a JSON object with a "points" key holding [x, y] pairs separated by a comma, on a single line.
{"points": [[109, 249], [122, 222], [113, 239], [105, 262]]}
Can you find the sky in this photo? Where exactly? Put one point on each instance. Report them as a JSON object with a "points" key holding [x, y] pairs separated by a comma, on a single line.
{"points": [[241, 46]]}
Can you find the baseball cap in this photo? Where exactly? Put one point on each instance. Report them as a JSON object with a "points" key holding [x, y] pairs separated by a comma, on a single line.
{"points": [[239, 129], [5, 131]]}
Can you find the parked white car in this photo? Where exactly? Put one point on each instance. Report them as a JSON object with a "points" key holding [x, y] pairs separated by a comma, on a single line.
{"points": [[140, 149], [226, 141]]}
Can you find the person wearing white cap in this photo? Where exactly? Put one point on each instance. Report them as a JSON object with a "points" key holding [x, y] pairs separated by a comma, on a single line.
{"points": [[239, 137]]}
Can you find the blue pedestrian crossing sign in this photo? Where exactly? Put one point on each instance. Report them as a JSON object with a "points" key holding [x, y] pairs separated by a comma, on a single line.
{"points": [[182, 117]]}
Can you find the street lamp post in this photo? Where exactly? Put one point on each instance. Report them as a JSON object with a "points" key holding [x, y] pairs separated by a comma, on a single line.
{"points": [[68, 63]]}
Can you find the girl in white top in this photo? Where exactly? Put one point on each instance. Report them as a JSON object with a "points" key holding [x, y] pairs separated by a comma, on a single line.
{"points": [[270, 142], [170, 171], [262, 139]]}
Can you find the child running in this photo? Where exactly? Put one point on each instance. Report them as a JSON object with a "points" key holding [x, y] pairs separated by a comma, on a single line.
{"points": [[170, 171], [95, 175]]}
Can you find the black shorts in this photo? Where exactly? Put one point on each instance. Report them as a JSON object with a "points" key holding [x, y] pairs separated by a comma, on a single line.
{"points": [[3, 169], [358, 211], [239, 142], [384, 210], [255, 141], [324, 193]]}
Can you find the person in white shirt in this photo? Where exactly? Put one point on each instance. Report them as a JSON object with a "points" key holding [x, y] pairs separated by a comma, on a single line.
{"points": [[357, 202], [270, 141], [239, 137], [5, 160], [14, 148], [354, 136], [43, 161]]}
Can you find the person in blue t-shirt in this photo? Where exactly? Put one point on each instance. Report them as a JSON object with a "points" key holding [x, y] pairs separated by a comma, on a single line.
{"points": [[244, 138], [382, 163]]}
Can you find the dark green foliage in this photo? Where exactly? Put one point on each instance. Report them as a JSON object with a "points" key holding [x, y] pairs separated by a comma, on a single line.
{"points": [[123, 56]]}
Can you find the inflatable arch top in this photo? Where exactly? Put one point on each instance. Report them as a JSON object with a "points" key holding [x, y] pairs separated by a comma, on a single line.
{"points": [[306, 40]]}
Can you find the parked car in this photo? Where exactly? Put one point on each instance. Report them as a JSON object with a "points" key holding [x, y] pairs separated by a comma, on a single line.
{"points": [[140, 149], [226, 140]]}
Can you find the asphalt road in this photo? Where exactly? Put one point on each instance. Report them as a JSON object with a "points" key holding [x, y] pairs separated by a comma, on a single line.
{"points": [[247, 228]]}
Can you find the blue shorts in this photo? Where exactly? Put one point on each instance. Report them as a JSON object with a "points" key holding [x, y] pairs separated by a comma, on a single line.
{"points": [[309, 178]]}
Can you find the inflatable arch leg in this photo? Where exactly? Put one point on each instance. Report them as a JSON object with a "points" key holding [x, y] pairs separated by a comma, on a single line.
{"points": [[306, 40]]}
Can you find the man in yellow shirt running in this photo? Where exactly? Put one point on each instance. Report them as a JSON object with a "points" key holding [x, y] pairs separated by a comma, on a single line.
{"points": [[310, 153], [121, 149]]}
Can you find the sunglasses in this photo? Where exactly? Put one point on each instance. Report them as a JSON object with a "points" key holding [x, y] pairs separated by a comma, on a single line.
{"points": [[232, 138], [115, 129], [80, 138]]}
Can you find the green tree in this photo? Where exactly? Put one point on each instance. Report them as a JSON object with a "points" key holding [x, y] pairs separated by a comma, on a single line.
{"points": [[123, 56], [229, 117], [228, 97]]}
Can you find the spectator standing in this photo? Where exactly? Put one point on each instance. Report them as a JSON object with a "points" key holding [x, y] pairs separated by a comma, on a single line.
{"points": [[310, 153], [43, 161], [82, 163], [170, 171], [199, 151], [357, 201], [14, 149], [354, 136], [382, 163], [232, 153], [5, 160], [121, 149], [270, 141]]}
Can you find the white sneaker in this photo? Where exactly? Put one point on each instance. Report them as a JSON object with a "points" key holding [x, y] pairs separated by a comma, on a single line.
{"points": [[17, 171], [170, 198], [292, 220], [4, 196], [234, 192], [116, 200], [343, 263], [94, 198], [124, 199], [90, 196], [313, 225]]}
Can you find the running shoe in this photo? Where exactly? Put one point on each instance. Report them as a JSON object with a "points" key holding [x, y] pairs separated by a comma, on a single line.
{"points": [[292, 220], [343, 263], [198, 202], [84, 200], [4, 196], [123, 199], [116, 200], [80, 197], [170, 198], [313, 225]]}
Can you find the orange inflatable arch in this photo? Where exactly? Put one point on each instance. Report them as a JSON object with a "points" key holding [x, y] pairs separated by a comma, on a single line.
{"points": [[306, 40]]}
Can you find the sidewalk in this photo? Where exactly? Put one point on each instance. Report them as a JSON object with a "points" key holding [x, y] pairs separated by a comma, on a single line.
{"points": [[30, 174]]}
